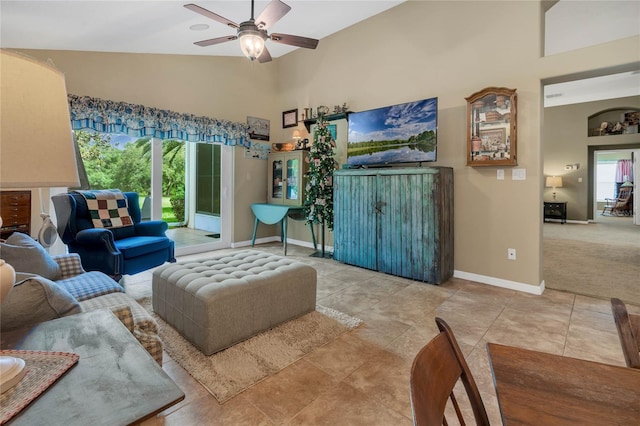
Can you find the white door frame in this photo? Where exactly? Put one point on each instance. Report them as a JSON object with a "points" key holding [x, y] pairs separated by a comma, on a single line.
{"points": [[636, 185], [226, 199]]}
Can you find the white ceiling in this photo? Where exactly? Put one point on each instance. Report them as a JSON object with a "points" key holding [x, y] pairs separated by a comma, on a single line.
{"points": [[612, 86], [163, 26]]}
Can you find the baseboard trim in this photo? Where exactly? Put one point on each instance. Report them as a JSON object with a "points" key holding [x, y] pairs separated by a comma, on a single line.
{"points": [[499, 282], [247, 243], [496, 282], [301, 243]]}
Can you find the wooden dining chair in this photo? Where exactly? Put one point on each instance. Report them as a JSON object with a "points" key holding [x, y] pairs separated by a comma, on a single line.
{"points": [[436, 370], [628, 326]]}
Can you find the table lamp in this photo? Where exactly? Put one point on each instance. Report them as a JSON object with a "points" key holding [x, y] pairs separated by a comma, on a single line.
{"points": [[11, 368], [36, 142], [554, 182]]}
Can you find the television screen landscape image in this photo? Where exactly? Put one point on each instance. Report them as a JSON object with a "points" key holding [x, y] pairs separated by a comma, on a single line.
{"points": [[404, 133]]}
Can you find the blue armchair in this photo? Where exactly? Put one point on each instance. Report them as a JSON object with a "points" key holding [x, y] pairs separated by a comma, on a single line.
{"points": [[114, 251]]}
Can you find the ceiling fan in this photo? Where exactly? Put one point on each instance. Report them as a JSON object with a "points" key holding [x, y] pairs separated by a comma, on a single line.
{"points": [[253, 33]]}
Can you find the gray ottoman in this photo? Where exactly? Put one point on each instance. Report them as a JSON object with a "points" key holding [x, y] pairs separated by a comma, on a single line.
{"points": [[219, 301]]}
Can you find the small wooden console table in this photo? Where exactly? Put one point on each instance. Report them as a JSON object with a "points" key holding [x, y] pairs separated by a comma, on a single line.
{"points": [[271, 214], [115, 382], [555, 210]]}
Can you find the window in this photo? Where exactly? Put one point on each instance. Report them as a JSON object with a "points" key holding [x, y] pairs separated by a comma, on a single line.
{"points": [[606, 184]]}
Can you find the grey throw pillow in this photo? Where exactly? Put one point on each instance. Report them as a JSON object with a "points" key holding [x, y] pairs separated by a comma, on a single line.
{"points": [[34, 299], [26, 255]]}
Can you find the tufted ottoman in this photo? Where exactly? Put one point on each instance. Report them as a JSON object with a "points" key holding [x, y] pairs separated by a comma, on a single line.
{"points": [[222, 300]]}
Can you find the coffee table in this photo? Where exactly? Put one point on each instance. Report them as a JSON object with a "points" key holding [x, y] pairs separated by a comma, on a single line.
{"points": [[115, 382]]}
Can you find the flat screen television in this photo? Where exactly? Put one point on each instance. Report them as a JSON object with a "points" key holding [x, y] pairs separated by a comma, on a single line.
{"points": [[404, 133]]}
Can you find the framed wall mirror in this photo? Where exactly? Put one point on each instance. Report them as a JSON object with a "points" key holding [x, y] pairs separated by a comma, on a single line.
{"points": [[491, 127]]}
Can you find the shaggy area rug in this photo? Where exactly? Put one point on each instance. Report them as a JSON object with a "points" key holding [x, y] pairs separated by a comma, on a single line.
{"points": [[231, 371]]}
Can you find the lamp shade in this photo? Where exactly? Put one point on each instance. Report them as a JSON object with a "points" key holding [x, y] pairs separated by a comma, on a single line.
{"points": [[554, 182], [36, 143]]}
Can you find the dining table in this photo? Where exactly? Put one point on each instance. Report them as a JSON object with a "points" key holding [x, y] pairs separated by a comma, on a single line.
{"points": [[537, 388]]}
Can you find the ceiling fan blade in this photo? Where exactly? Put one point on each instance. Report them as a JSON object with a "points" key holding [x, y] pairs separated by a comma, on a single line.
{"points": [[211, 15], [307, 43], [265, 56], [271, 14], [218, 40]]}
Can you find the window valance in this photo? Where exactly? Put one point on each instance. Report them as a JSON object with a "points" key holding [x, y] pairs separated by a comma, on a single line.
{"points": [[107, 116]]}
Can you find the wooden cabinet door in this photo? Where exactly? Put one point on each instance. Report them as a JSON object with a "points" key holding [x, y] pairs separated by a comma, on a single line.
{"points": [[354, 222], [407, 235]]}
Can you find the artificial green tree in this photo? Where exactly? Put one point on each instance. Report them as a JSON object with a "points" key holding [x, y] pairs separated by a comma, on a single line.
{"points": [[318, 203]]}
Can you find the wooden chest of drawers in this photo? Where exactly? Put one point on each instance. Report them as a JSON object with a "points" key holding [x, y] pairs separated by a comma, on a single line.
{"points": [[15, 210]]}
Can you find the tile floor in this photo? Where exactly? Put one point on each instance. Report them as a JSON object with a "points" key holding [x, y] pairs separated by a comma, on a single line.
{"points": [[362, 377]]}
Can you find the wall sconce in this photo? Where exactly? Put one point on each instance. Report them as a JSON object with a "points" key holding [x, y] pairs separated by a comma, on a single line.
{"points": [[554, 182], [574, 166]]}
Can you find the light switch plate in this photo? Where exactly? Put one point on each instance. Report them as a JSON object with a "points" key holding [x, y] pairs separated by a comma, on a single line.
{"points": [[500, 174], [518, 174]]}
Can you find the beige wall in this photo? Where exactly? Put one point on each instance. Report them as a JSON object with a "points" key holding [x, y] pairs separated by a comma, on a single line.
{"points": [[414, 51], [225, 88], [450, 50], [566, 141]]}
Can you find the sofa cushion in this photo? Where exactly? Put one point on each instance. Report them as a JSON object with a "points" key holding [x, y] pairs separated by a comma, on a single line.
{"points": [[26, 255], [89, 285], [35, 299], [141, 245]]}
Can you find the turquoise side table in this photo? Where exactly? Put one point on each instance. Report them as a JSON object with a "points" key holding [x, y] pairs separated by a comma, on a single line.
{"points": [[273, 213]]}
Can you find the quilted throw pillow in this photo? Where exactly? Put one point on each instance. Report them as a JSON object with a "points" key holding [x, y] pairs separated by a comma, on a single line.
{"points": [[108, 208]]}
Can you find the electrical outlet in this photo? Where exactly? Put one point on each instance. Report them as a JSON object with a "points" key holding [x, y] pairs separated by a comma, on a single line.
{"points": [[511, 254]]}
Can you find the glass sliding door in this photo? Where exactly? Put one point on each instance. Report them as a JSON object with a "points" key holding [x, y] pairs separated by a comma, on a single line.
{"points": [[208, 187]]}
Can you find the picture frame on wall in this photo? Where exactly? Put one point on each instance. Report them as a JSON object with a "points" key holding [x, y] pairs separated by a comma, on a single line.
{"points": [[258, 128], [491, 127], [290, 118]]}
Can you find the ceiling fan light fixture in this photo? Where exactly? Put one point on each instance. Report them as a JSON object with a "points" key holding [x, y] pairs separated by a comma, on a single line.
{"points": [[251, 42]]}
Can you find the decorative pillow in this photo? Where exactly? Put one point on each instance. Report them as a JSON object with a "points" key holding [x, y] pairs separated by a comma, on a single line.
{"points": [[34, 299], [107, 207], [26, 255]]}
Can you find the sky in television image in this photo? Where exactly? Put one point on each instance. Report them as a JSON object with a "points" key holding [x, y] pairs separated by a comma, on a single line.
{"points": [[393, 134]]}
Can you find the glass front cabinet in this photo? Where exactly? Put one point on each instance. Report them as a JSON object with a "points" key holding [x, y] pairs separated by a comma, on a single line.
{"points": [[286, 180]]}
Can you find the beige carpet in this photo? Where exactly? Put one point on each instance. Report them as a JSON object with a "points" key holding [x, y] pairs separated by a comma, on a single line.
{"points": [[599, 270], [227, 373]]}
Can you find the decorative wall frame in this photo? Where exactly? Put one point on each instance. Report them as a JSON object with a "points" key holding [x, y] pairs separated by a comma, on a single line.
{"points": [[491, 127], [290, 118], [258, 128]]}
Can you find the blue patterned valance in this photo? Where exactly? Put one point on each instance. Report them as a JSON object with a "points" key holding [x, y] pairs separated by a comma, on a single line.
{"points": [[106, 116]]}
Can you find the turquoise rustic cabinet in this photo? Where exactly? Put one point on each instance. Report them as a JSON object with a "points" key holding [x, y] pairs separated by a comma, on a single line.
{"points": [[397, 220]]}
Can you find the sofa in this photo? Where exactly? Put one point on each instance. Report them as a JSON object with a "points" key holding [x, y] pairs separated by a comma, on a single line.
{"points": [[49, 287], [115, 249]]}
